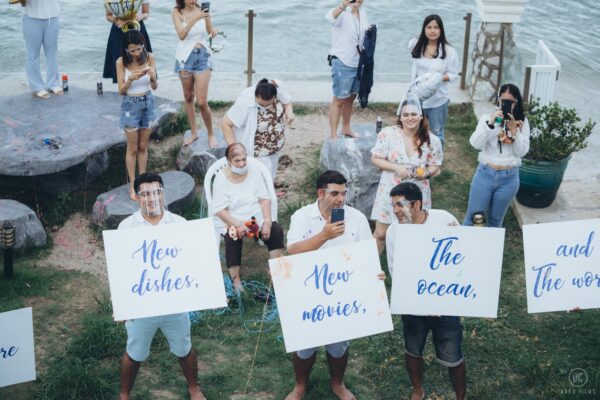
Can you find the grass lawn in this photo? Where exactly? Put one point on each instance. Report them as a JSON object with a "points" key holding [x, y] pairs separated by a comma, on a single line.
{"points": [[516, 356]]}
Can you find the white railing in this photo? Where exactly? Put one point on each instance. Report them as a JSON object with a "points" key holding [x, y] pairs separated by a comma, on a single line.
{"points": [[540, 79]]}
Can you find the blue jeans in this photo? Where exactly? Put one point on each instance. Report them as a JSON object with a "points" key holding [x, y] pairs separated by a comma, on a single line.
{"points": [[447, 337], [40, 33], [491, 192], [437, 120], [344, 79]]}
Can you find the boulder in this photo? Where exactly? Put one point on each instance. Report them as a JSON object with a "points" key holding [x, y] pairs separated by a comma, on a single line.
{"points": [[28, 228], [114, 206], [198, 157], [352, 157]]}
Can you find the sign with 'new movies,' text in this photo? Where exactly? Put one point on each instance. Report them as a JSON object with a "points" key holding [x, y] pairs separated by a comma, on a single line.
{"points": [[17, 355], [164, 269], [446, 270], [330, 295], [562, 265]]}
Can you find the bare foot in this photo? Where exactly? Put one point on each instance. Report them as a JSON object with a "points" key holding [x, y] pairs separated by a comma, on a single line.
{"points": [[417, 394], [297, 393], [350, 134], [132, 195], [342, 392], [237, 284], [212, 142], [196, 394], [333, 138], [190, 140]]}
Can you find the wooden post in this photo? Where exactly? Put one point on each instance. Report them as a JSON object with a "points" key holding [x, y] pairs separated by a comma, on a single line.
{"points": [[463, 73], [249, 71], [501, 63], [526, 84]]}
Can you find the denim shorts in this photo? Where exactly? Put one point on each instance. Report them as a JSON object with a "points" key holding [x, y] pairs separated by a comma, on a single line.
{"points": [[447, 337], [344, 79], [198, 61], [175, 327], [335, 350], [137, 111]]}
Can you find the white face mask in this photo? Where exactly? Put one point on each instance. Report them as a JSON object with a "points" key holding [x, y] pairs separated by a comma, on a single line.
{"points": [[239, 171]]}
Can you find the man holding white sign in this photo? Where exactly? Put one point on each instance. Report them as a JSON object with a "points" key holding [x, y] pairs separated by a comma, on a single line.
{"points": [[446, 330], [176, 327], [314, 227]]}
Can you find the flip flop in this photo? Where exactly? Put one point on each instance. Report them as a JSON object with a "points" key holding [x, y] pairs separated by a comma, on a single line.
{"points": [[190, 143], [42, 94], [57, 91]]}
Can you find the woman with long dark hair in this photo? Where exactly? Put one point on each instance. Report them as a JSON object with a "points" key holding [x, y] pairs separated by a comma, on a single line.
{"points": [[404, 152], [192, 62], [502, 139], [431, 53], [136, 77]]}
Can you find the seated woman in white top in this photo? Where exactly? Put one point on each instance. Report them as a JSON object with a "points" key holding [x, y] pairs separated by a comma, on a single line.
{"points": [[192, 63], [258, 119], [240, 195], [503, 139]]}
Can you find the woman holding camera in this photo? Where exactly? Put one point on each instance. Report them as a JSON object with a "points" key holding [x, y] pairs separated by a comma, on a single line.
{"points": [[405, 152], [431, 53], [242, 206], [502, 139], [193, 25], [136, 77]]}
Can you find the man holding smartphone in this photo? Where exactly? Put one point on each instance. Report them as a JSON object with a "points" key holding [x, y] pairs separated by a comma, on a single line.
{"points": [[349, 23], [312, 228]]}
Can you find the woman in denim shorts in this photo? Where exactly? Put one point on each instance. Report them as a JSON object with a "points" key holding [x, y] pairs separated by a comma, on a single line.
{"points": [[192, 62], [136, 77]]}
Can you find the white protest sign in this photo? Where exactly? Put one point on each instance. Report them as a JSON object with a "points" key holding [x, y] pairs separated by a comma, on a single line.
{"points": [[164, 269], [17, 356], [446, 270], [330, 295], [562, 265]]}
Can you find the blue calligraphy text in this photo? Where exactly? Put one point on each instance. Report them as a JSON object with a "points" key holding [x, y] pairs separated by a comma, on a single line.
{"points": [[455, 289], [8, 352], [323, 279], [577, 249], [320, 312], [165, 283], [443, 255], [588, 279], [152, 253], [543, 281]]}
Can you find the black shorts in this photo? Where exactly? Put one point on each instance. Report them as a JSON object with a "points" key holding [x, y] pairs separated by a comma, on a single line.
{"points": [[233, 248]]}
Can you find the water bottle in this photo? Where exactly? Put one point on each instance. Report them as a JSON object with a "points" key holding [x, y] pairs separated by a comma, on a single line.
{"points": [[65, 83], [478, 219], [99, 87], [498, 120], [378, 124]]}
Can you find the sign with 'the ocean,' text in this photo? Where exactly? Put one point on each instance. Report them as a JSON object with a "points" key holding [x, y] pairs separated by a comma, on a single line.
{"points": [[330, 295], [562, 265], [164, 269], [17, 356], [446, 270]]}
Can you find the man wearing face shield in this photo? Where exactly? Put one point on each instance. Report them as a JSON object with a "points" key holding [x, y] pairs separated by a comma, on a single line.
{"points": [[311, 229], [175, 327], [258, 119], [407, 202], [239, 194]]}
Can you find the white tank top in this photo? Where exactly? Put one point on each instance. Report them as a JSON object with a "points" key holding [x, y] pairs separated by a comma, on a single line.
{"points": [[138, 87], [197, 34]]}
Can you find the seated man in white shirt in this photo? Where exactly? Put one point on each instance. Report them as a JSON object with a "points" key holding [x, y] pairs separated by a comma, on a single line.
{"points": [[176, 327], [311, 229], [446, 330]]}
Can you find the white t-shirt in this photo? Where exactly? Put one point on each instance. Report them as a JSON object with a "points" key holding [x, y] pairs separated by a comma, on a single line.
{"points": [[42, 9], [308, 221], [244, 114], [435, 217], [347, 32], [136, 220], [240, 199]]}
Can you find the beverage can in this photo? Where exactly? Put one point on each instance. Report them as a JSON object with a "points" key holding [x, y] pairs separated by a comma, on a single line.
{"points": [[99, 87], [65, 83]]}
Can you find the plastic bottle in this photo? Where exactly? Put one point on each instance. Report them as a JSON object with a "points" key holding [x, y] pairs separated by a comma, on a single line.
{"points": [[65, 83], [378, 124], [99, 87], [478, 219]]}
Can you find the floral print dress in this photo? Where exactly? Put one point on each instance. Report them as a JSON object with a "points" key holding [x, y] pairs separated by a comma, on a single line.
{"points": [[390, 146]]}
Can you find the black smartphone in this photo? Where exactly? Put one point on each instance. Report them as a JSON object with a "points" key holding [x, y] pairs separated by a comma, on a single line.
{"points": [[352, 1], [337, 215], [205, 6], [507, 108]]}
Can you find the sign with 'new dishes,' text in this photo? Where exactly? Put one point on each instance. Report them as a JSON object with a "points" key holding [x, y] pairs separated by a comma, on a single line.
{"points": [[446, 270], [164, 269], [17, 356], [562, 265], [330, 295]]}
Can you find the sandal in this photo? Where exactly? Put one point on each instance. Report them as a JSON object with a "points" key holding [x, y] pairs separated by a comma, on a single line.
{"points": [[42, 94], [57, 91]]}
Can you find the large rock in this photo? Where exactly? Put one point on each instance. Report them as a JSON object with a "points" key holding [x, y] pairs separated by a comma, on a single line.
{"points": [[352, 157], [114, 206], [198, 157], [28, 228]]}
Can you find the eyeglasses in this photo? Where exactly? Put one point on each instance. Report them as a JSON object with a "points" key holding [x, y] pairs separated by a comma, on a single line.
{"points": [[406, 115], [403, 203], [148, 193], [336, 193]]}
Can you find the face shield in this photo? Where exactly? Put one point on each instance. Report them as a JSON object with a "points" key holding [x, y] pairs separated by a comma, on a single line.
{"points": [[410, 105], [333, 198], [151, 199]]}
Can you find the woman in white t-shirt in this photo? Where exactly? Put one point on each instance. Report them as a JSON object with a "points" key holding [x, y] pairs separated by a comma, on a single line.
{"points": [[242, 206], [432, 54]]}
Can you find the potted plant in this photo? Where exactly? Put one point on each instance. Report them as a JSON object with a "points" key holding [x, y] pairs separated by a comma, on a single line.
{"points": [[556, 133]]}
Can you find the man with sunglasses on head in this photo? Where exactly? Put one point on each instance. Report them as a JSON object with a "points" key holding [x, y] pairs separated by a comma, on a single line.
{"points": [[311, 229], [407, 201], [176, 327]]}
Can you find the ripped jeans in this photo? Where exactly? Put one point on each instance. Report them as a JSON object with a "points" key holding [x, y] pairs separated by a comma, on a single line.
{"points": [[437, 120]]}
